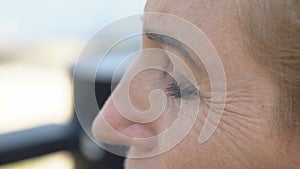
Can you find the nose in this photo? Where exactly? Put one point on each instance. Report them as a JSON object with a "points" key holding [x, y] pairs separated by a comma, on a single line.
{"points": [[131, 114], [111, 126]]}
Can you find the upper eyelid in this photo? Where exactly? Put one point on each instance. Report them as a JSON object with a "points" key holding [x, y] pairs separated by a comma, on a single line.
{"points": [[164, 40], [184, 81], [174, 43], [168, 41]]}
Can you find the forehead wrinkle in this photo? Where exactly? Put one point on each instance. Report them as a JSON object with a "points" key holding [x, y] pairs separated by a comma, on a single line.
{"points": [[155, 6], [186, 10], [176, 7]]}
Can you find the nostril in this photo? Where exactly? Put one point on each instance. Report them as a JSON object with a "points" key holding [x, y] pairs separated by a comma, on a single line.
{"points": [[141, 136], [138, 131]]}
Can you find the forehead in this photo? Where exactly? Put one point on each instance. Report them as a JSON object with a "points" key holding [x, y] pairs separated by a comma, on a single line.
{"points": [[180, 8], [201, 13], [213, 17]]}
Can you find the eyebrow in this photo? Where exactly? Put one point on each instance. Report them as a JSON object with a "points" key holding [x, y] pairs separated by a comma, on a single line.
{"points": [[172, 42]]}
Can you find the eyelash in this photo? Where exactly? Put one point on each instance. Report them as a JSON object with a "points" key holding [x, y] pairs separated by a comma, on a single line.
{"points": [[182, 90]]}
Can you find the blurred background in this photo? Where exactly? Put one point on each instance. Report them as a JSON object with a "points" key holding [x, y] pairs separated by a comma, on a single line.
{"points": [[40, 40]]}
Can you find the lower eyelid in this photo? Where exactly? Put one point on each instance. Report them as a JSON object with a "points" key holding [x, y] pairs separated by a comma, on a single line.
{"points": [[191, 90]]}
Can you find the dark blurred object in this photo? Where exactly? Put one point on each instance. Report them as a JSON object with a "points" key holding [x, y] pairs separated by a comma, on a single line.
{"points": [[71, 137], [38, 141]]}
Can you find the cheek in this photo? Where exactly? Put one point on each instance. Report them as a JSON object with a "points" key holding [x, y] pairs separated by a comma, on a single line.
{"points": [[150, 163], [186, 155], [168, 117], [186, 149], [189, 154]]}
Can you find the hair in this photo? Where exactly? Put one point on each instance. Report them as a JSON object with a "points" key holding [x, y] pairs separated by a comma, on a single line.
{"points": [[273, 38]]}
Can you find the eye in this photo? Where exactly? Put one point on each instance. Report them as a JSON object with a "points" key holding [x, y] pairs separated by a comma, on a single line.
{"points": [[184, 90]]}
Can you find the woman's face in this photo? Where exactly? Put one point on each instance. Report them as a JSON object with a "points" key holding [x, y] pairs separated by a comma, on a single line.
{"points": [[244, 137]]}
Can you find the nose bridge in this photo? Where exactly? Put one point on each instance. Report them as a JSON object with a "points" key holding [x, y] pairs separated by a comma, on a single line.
{"points": [[115, 115], [138, 97]]}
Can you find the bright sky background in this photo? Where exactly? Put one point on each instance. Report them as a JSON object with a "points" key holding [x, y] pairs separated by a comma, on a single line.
{"points": [[35, 19], [36, 84]]}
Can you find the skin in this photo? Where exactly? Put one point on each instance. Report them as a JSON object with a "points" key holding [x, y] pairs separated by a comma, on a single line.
{"points": [[245, 137]]}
